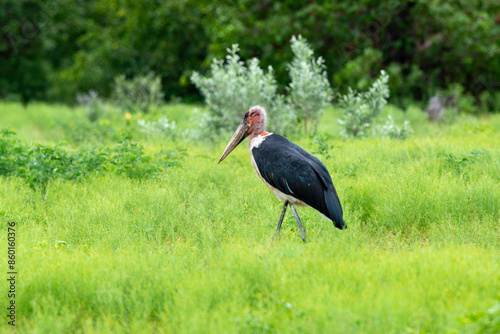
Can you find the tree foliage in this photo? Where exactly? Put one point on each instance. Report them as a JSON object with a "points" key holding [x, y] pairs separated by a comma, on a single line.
{"points": [[137, 94], [424, 45], [55, 49]]}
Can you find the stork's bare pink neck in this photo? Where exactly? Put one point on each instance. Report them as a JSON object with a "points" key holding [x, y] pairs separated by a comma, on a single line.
{"points": [[259, 129]]}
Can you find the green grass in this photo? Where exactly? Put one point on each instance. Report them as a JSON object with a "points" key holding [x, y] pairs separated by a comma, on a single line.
{"points": [[192, 251]]}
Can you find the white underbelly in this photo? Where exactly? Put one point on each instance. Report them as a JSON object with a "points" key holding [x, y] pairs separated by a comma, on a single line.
{"points": [[284, 197], [281, 196]]}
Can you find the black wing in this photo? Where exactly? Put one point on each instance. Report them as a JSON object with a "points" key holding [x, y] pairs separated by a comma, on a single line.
{"points": [[295, 172]]}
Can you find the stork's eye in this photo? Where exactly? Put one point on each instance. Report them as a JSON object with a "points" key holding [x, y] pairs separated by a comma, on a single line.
{"points": [[246, 115]]}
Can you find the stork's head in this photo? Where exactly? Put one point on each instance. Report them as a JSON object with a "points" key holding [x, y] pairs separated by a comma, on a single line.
{"points": [[253, 123]]}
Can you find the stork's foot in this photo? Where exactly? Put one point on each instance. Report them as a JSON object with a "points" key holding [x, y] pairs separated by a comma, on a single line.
{"points": [[281, 219], [299, 223]]}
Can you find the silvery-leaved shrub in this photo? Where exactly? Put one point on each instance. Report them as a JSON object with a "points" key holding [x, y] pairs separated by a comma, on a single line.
{"points": [[92, 103], [309, 88], [232, 88], [138, 94], [161, 126], [391, 130], [359, 109], [282, 117]]}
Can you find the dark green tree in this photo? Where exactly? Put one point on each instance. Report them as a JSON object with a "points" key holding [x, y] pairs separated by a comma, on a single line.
{"points": [[134, 38], [53, 49]]}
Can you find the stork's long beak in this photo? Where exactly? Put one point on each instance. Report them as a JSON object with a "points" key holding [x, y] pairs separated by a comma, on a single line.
{"points": [[238, 136]]}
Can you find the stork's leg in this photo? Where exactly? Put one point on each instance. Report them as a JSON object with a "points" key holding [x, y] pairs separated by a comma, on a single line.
{"points": [[299, 223], [281, 218]]}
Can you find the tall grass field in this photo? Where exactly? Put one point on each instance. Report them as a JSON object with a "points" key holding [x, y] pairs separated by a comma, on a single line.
{"points": [[190, 248]]}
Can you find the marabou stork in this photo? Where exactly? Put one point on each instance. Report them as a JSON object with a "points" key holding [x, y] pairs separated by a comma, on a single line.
{"points": [[293, 175]]}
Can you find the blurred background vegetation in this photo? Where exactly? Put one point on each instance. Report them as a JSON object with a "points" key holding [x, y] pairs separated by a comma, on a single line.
{"points": [[105, 179], [51, 50]]}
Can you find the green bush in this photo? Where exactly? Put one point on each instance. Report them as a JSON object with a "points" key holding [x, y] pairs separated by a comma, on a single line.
{"points": [[391, 130], [160, 126], [358, 72], [309, 88], [320, 146], [360, 109], [459, 163], [128, 158], [490, 101], [138, 94], [9, 151], [92, 103], [465, 102], [39, 164], [233, 87]]}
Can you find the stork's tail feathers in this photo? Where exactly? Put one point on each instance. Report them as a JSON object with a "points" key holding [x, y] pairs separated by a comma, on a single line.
{"points": [[343, 226], [334, 209]]}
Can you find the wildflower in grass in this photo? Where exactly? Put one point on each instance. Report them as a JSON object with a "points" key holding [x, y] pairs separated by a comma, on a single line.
{"points": [[128, 116]]}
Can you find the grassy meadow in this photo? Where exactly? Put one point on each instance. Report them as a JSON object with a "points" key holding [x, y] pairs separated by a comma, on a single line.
{"points": [[191, 250]]}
